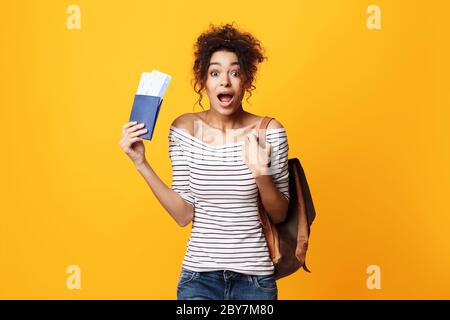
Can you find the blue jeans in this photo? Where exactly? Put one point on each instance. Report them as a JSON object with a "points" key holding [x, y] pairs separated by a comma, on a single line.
{"points": [[225, 285]]}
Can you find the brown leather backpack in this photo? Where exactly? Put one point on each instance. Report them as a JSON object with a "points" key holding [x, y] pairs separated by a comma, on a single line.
{"points": [[288, 241]]}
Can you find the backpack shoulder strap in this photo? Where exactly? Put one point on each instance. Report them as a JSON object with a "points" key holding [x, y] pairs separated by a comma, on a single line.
{"points": [[261, 132]]}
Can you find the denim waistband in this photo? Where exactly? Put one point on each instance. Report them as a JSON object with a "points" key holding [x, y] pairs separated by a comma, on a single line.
{"points": [[224, 274]]}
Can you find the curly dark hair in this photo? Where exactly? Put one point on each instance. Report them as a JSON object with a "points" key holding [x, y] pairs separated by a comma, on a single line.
{"points": [[226, 37]]}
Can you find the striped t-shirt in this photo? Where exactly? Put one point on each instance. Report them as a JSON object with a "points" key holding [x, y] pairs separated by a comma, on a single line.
{"points": [[226, 230]]}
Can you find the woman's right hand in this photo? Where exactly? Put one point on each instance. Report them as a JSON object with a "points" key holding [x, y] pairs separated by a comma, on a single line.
{"points": [[130, 142]]}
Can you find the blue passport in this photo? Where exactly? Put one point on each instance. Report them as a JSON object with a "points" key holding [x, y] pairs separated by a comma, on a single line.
{"points": [[148, 99], [145, 110]]}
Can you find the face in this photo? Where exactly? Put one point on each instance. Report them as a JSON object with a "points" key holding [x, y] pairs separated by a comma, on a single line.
{"points": [[224, 82]]}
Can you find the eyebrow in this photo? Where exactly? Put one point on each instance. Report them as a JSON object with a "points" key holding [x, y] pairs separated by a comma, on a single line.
{"points": [[231, 64]]}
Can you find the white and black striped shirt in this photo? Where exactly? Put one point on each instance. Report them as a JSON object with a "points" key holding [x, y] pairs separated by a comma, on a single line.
{"points": [[226, 230]]}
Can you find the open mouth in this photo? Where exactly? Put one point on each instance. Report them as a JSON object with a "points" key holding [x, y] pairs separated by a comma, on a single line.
{"points": [[225, 99]]}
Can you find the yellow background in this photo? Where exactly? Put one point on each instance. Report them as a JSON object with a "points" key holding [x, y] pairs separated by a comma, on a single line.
{"points": [[365, 110]]}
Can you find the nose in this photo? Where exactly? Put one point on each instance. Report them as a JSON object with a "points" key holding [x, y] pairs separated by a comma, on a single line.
{"points": [[225, 81]]}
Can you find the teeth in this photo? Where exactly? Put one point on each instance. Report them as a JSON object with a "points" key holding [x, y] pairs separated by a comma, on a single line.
{"points": [[229, 97]]}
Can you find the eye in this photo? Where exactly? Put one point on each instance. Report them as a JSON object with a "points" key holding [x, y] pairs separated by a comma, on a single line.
{"points": [[212, 73], [236, 73]]}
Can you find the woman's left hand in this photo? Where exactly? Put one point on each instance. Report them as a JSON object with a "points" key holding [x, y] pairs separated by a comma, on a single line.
{"points": [[255, 156]]}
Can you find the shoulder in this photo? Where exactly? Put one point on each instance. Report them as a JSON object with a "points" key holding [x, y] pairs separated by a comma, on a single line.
{"points": [[279, 135], [185, 122], [274, 124]]}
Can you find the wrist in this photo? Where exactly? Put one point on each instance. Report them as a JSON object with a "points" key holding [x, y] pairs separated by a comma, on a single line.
{"points": [[141, 165]]}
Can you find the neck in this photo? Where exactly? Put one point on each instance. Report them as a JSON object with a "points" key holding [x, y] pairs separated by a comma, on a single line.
{"points": [[224, 122]]}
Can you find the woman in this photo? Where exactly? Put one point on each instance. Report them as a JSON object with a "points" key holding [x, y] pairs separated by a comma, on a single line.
{"points": [[218, 172]]}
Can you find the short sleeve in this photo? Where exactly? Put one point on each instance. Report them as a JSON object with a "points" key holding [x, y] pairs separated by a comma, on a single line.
{"points": [[180, 168], [279, 167]]}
